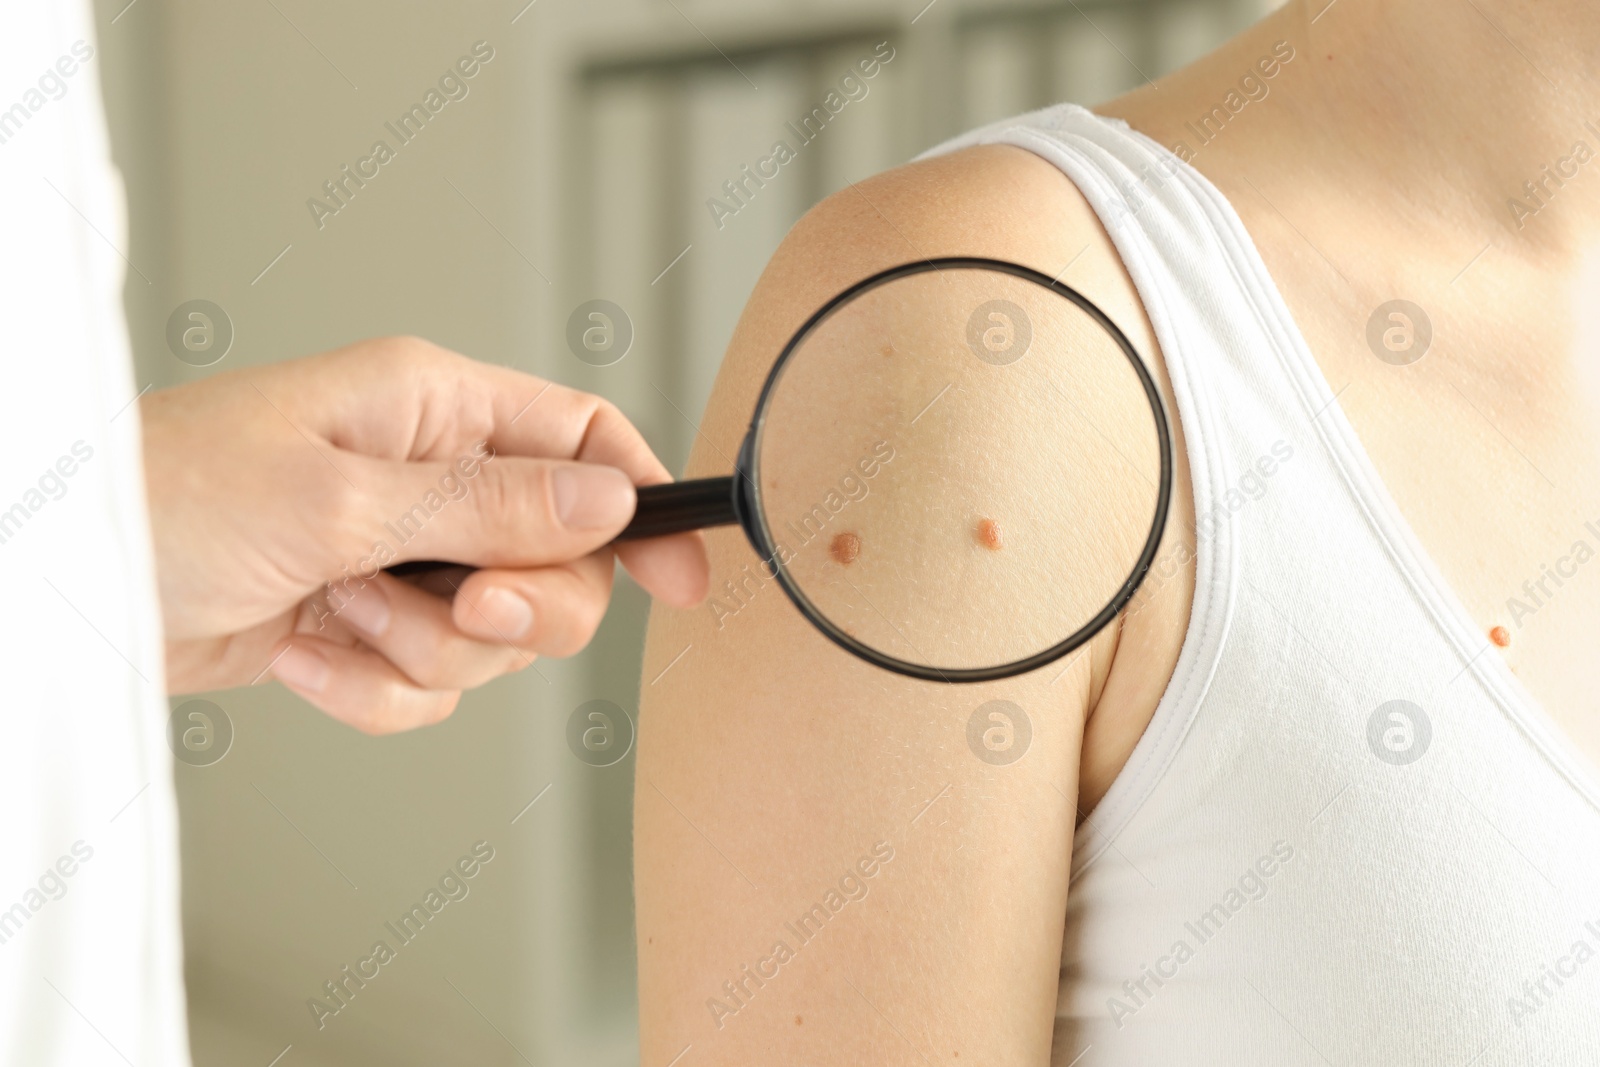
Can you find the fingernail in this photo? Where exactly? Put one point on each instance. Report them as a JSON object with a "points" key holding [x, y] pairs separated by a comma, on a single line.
{"points": [[367, 610], [507, 614], [302, 668], [590, 496]]}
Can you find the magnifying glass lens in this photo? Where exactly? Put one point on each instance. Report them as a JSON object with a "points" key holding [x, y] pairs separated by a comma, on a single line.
{"points": [[957, 469]]}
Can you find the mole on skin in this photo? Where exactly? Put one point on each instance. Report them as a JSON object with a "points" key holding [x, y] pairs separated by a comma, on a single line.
{"points": [[1500, 636], [845, 549], [990, 535]]}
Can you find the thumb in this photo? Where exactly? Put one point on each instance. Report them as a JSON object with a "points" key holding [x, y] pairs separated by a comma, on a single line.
{"points": [[512, 512]]}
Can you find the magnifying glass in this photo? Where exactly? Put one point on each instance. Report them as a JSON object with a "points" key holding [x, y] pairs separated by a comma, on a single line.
{"points": [[887, 531]]}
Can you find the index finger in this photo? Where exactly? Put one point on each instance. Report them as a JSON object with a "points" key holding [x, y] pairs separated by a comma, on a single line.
{"points": [[534, 417]]}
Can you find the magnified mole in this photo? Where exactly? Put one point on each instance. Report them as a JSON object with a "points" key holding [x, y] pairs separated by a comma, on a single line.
{"points": [[990, 535], [845, 548]]}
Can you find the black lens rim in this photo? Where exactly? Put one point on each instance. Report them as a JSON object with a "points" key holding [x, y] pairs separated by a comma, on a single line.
{"points": [[752, 511]]}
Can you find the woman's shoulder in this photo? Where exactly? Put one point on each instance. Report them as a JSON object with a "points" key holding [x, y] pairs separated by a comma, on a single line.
{"points": [[1003, 202], [995, 201]]}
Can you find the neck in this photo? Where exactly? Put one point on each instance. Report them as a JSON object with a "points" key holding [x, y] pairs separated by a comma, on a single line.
{"points": [[1481, 116]]}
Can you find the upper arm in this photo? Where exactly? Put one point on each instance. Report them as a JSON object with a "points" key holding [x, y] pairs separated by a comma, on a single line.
{"points": [[778, 775]]}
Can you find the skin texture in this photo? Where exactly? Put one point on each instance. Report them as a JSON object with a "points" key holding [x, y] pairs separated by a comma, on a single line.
{"points": [[269, 487], [1379, 166]]}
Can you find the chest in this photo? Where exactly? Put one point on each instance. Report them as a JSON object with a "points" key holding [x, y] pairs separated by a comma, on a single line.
{"points": [[1474, 407]]}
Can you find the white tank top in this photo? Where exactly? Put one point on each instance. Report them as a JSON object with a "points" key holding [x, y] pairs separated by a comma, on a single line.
{"points": [[1348, 835]]}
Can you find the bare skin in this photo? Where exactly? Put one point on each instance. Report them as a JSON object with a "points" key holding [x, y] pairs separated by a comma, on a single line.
{"points": [[768, 760]]}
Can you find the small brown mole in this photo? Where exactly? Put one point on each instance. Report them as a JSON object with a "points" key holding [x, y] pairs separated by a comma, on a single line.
{"points": [[845, 548], [887, 350], [797, 1020], [1500, 636], [990, 535]]}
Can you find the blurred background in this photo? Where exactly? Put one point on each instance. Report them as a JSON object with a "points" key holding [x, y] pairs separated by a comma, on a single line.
{"points": [[586, 161]]}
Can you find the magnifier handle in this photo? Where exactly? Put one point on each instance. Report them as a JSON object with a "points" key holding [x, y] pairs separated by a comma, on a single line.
{"points": [[662, 510], [679, 506]]}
